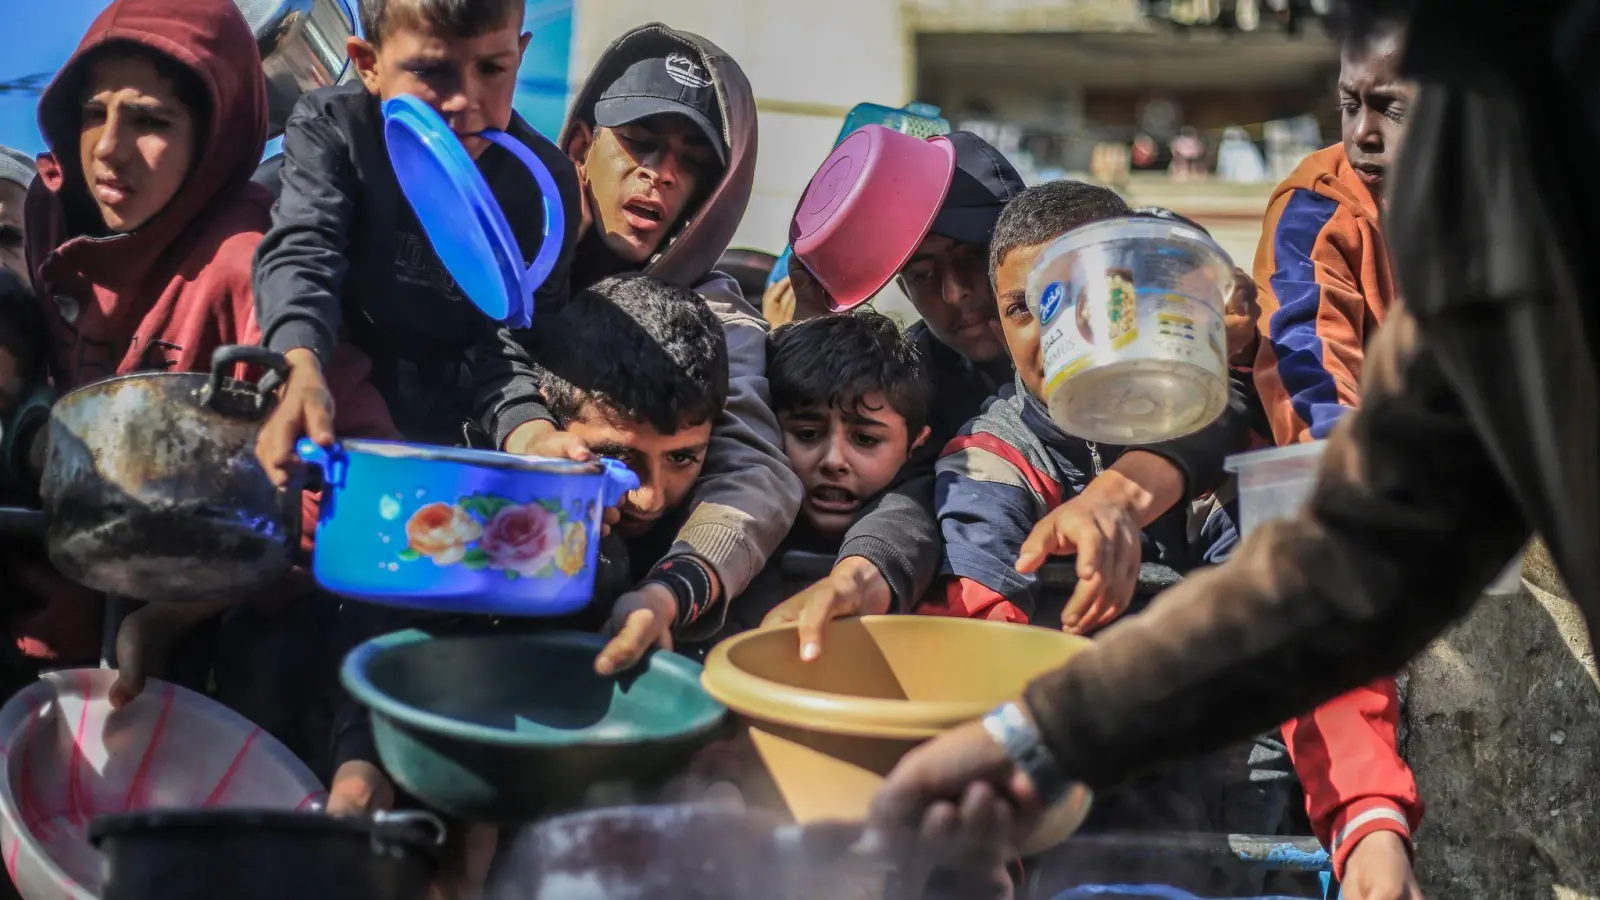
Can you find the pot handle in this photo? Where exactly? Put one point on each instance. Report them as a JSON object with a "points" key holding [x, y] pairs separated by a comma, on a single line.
{"points": [[619, 481], [389, 828], [230, 355], [555, 222], [333, 461]]}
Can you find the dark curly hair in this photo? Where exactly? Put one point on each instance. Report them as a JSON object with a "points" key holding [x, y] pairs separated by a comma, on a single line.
{"points": [[647, 350], [837, 360]]}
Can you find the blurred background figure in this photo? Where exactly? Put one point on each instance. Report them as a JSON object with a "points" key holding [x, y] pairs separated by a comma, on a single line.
{"points": [[1238, 158], [16, 173]]}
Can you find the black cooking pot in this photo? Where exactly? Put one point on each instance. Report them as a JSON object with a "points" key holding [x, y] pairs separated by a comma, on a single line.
{"points": [[151, 489], [212, 854]]}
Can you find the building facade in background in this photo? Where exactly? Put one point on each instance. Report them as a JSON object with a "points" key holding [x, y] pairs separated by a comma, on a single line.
{"points": [[1047, 81]]}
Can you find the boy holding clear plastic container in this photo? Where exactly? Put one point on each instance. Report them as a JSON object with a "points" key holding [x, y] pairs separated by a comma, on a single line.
{"points": [[998, 489], [1012, 468]]}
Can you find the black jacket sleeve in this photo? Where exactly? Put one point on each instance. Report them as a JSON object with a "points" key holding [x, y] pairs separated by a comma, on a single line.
{"points": [[507, 393], [899, 532], [300, 265], [1200, 455], [505, 387]]}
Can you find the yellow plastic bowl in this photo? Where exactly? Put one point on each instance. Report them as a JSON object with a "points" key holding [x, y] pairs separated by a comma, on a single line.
{"points": [[827, 732]]}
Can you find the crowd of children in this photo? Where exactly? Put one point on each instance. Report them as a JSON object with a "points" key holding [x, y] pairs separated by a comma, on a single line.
{"points": [[921, 461]]}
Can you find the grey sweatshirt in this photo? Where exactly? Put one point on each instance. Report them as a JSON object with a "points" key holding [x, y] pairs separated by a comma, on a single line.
{"points": [[747, 495]]}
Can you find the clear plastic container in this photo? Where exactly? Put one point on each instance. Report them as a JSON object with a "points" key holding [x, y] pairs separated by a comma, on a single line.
{"points": [[1132, 336], [1277, 483]]}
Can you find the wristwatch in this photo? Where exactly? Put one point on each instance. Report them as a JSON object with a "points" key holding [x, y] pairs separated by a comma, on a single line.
{"points": [[1016, 734]]}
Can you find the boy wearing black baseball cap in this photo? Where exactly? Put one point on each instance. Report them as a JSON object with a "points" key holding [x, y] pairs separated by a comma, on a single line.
{"points": [[663, 135]]}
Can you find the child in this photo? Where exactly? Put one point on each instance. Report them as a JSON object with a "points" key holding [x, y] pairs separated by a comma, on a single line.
{"points": [[347, 256], [853, 395], [16, 173], [636, 368], [140, 229], [1000, 477], [1013, 469], [1327, 287], [1323, 262], [663, 133]]}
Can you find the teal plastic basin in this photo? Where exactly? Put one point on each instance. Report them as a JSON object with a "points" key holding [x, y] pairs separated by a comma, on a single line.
{"points": [[510, 727]]}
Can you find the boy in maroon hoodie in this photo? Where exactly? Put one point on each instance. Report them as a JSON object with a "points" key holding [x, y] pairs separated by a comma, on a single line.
{"points": [[141, 229]]}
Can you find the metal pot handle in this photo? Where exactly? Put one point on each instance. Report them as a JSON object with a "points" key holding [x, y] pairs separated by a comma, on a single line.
{"points": [[389, 828], [230, 355]]}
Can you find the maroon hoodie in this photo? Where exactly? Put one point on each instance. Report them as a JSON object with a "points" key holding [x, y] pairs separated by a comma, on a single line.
{"points": [[165, 296]]}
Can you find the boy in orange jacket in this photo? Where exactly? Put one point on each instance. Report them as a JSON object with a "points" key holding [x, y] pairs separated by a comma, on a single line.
{"points": [[1326, 286]]}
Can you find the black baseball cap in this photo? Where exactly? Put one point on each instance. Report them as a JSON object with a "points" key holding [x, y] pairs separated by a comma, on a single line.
{"points": [[671, 81], [984, 182]]}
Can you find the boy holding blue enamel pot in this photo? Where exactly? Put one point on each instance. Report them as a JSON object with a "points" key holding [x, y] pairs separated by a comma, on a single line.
{"points": [[347, 258], [637, 369], [663, 134]]}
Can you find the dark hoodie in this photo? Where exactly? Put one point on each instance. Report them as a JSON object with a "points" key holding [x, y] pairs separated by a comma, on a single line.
{"points": [[168, 294], [747, 495]]}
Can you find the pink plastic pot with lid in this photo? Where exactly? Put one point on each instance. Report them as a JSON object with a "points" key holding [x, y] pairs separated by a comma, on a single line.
{"points": [[867, 208]]}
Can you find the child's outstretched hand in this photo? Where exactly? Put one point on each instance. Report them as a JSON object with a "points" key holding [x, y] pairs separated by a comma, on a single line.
{"points": [[359, 789], [1105, 539], [146, 639], [305, 407], [641, 619], [855, 587], [1379, 868], [1241, 315], [541, 438]]}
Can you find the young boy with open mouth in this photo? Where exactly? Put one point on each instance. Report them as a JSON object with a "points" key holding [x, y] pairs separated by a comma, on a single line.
{"points": [[663, 135], [853, 395]]}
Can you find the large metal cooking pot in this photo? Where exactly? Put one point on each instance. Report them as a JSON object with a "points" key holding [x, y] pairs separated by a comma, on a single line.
{"points": [[152, 490], [302, 45]]}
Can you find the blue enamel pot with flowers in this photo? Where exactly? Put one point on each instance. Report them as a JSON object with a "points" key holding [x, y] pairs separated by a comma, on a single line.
{"points": [[458, 530]]}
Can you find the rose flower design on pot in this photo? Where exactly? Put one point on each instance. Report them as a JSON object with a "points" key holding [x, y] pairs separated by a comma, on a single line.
{"points": [[455, 530], [532, 540], [441, 532]]}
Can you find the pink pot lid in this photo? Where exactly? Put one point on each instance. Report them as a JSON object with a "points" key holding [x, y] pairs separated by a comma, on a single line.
{"points": [[867, 208]]}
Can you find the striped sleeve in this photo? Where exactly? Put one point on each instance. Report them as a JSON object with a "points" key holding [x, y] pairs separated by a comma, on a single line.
{"points": [[989, 497], [1313, 313], [1346, 753]]}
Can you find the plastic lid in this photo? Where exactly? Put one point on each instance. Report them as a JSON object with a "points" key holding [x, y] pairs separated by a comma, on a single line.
{"points": [[459, 213]]}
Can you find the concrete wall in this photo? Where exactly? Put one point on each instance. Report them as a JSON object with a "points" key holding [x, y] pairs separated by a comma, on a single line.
{"points": [[1503, 731]]}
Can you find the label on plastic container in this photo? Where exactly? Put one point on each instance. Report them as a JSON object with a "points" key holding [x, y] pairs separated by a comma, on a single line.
{"points": [[1119, 304]]}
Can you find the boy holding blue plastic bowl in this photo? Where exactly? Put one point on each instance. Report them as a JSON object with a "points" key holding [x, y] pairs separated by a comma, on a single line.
{"points": [[347, 259]]}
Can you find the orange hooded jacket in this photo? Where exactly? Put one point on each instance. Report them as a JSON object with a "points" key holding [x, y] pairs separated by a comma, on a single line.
{"points": [[1326, 285]]}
